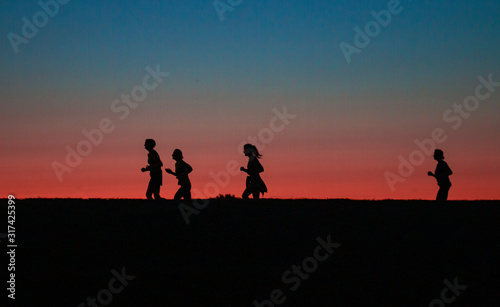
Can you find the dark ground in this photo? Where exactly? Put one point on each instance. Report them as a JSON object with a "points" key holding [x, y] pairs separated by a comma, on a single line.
{"points": [[392, 253]]}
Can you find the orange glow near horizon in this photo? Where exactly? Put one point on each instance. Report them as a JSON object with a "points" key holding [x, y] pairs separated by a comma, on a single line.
{"points": [[289, 173], [320, 153], [324, 158]]}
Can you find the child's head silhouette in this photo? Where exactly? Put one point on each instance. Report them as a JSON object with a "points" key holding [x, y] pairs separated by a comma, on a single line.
{"points": [[438, 154], [150, 143], [177, 154], [251, 151]]}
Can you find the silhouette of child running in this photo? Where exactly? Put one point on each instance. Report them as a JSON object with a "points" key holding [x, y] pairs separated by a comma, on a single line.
{"points": [[182, 169], [441, 174], [154, 169], [254, 183]]}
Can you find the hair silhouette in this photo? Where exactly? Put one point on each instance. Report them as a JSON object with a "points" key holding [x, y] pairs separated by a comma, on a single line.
{"points": [[441, 174], [182, 169], [254, 183], [150, 143], [154, 168]]}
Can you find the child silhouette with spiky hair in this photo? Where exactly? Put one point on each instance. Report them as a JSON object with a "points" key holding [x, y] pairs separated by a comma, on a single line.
{"points": [[154, 169], [441, 174], [182, 169]]}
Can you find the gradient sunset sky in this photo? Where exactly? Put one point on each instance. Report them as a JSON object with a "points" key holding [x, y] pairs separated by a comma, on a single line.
{"points": [[230, 74]]}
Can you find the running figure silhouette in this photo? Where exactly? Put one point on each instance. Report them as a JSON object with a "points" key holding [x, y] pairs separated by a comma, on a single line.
{"points": [[154, 169], [182, 169], [254, 183], [441, 174]]}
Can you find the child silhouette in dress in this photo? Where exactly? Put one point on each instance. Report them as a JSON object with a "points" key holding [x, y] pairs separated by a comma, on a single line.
{"points": [[254, 183]]}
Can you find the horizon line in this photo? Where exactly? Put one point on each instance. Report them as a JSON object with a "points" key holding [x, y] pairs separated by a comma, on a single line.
{"points": [[239, 198]]}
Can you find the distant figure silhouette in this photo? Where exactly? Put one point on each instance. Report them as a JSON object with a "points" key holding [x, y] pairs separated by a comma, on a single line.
{"points": [[182, 169], [154, 169], [254, 184], [441, 174]]}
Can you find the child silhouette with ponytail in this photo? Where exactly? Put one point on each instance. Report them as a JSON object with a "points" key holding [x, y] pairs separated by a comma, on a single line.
{"points": [[254, 183]]}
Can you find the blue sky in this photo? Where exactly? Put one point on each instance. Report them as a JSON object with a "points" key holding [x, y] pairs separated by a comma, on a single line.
{"points": [[95, 43]]}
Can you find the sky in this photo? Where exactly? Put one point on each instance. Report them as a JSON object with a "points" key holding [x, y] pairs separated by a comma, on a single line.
{"points": [[344, 99]]}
